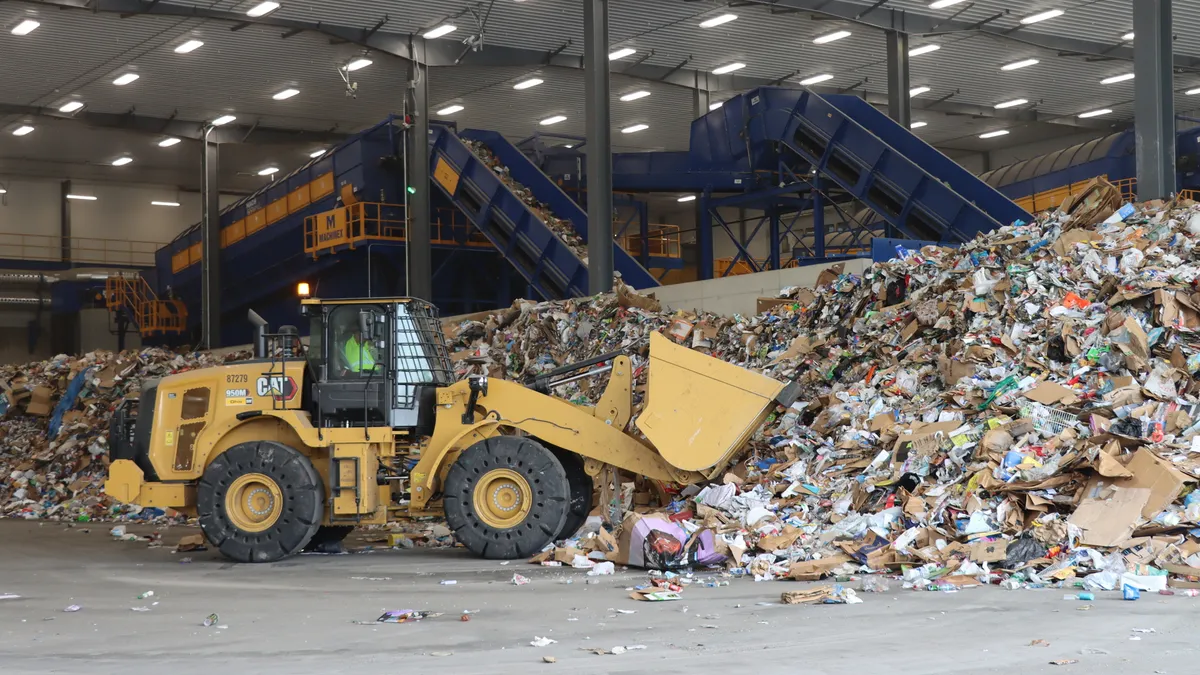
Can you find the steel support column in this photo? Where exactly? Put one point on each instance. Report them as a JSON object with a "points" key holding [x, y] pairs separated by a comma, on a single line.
{"points": [[704, 237], [819, 218], [899, 102], [1154, 104], [210, 245], [419, 250], [700, 102], [64, 225], [599, 146], [775, 262]]}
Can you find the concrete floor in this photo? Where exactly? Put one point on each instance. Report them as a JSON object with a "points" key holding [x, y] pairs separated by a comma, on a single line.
{"points": [[298, 617]]}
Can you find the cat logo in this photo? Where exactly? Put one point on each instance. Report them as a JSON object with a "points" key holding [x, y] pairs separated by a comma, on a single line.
{"points": [[278, 387]]}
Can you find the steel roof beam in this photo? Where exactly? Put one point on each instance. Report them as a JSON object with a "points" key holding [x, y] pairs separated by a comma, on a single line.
{"points": [[920, 23], [232, 133]]}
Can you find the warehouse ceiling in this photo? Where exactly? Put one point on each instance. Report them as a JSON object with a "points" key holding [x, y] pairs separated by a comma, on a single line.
{"points": [[79, 48]]}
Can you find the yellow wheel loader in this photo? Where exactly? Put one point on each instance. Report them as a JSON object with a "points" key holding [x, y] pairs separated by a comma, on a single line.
{"points": [[296, 447]]}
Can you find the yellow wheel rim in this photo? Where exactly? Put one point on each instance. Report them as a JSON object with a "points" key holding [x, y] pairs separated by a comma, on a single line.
{"points": [[254, 502], [503, 498]]}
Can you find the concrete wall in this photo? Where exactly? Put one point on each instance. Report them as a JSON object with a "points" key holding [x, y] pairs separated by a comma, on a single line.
{"points": [[14, 336], [94, 332], [739, 294], [120, 212]]}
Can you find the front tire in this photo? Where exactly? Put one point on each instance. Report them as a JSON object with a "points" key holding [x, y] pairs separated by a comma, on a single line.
{"points": [[581, 493], [260, 502], [506, 497]]}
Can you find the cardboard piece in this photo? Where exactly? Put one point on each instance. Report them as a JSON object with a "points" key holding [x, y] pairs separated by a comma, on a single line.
{"points": [[1070, 238], [1108, 514], [809, 596], [628, 298], [1051, 393], [39, 402], [830, 274], [1157, 475], [811, 570], [191, 542], [989, 551], [1106, 465]]}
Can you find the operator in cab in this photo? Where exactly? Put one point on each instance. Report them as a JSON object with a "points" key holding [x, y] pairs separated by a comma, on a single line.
{"points": [[359, 354]]}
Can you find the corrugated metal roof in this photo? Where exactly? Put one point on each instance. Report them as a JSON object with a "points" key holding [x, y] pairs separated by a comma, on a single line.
{"points": [[78, 53]]}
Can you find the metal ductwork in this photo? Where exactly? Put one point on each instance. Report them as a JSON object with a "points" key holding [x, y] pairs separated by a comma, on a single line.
{"points": [[26, 278], [26, 301]]}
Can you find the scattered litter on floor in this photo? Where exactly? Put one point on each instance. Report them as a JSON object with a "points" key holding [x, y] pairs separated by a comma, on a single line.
{"points": [[404, 616], [519, 580], [72, 608], [542, 641], [211, 620], [1064, 662], [549, 659]]}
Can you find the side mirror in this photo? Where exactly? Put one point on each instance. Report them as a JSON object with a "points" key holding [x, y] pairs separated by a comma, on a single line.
{"points": [[364, 323]]}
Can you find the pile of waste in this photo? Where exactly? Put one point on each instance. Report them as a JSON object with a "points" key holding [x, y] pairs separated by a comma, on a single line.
{"points": [[563, 228], [54, 423], [1021, 409]]}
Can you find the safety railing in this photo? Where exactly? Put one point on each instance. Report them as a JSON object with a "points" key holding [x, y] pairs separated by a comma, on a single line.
{"points": [[152, 315], [349, 226], [1128, 188], [79, 250], [663, 241]]}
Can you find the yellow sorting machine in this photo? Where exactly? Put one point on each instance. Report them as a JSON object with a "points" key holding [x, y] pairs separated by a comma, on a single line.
{"points": [[297, 446]]}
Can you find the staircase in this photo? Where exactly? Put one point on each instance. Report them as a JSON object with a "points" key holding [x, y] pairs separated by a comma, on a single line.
{"points": [[151, 315]]}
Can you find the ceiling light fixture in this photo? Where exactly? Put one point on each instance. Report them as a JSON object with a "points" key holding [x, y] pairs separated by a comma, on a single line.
{"points": [[942, 4], [70, 106], [831, 37], [1011, 104], [527, 84], [687, 198], [189, 47], [728, 68], [223, 120], [122, 161], [918, 125], [25, 27], [269, 171], [635, 95], [917, 91], [994, 134], [23, 130], [816, 79], [1192, 92], [717, 20], [635, 128], [1042, 16], [1095, 113], [164, 203], [1128, 37], [82, 198], [714, 106], [1117, 78], [1015, 65], [444, 29], [621, 53], [553, 120], [285, 94], [126, 79], [450, 109], [168, 142], [358, 64], [317, 153], [923, 49], [262, 9]]}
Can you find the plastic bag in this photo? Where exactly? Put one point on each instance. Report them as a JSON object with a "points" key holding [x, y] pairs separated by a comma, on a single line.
{"points": [[1021, 551]]}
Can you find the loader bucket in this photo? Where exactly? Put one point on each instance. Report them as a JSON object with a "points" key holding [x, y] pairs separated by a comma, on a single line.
{"points": [[700, 410]]}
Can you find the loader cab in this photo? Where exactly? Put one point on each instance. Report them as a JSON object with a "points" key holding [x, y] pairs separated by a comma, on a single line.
{"points": [[376, 362]]}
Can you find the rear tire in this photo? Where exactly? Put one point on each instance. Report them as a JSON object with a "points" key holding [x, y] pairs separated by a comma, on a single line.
{"points": [[506, 497], [328, 539], [581, 493], [260, 502]]}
